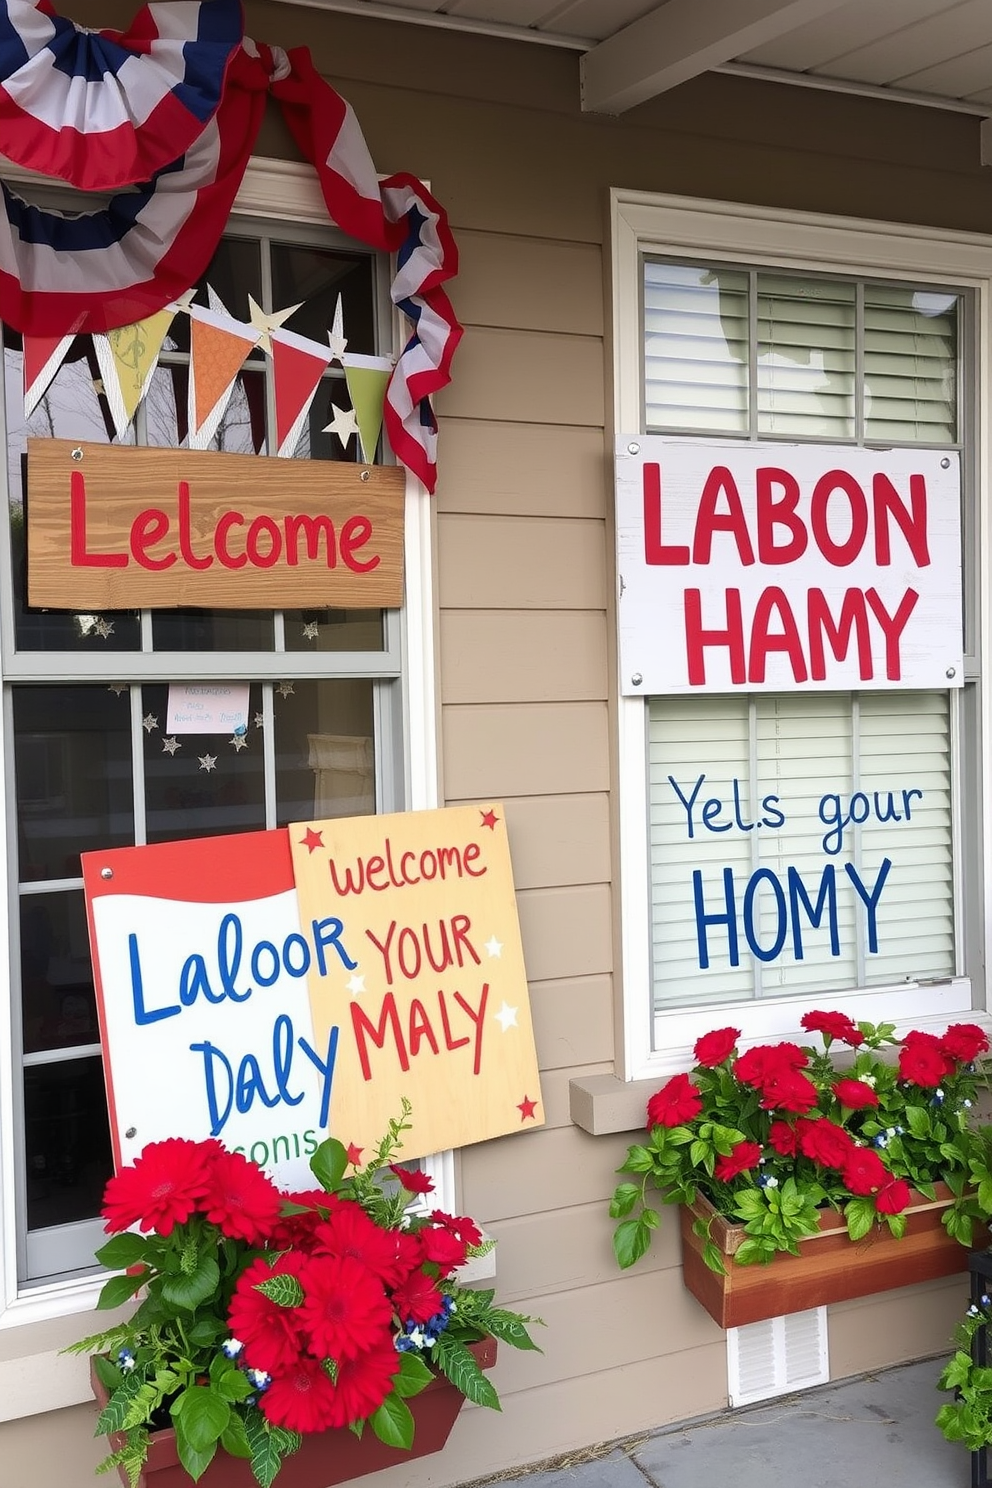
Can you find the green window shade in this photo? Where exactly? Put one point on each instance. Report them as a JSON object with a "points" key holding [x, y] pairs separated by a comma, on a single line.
{"points": [[816, 793], [806, 359], [695, 349], [910, 365]]}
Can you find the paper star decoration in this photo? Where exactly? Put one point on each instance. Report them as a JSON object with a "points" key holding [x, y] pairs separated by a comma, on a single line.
{"points": [[527, 1108], [489, 819], [311, 630], [268, 322], [259, 720], [286, 689], [356, 985], [335, 337], [354, 1154], [208, 762], [117, 688], [493, 947], [312, 840], [239, 741], [506, 1017], [149, 723], [344, 423], [103, 628], [170, 745]]}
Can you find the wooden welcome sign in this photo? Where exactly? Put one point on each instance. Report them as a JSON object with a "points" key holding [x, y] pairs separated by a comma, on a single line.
{"points": [[112, 527], [272, 1008]]}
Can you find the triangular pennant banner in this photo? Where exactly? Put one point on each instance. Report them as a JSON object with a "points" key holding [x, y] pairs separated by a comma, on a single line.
{"points": [[127, 359], [297, 367], [367, 378], [218, 347], [43, 356]]}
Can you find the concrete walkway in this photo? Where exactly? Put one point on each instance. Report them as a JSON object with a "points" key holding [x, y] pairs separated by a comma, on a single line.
{"points": [[875, 1431]]}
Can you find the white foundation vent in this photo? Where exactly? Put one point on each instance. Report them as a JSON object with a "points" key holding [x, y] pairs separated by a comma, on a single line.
{"points": [[777, 1356]]}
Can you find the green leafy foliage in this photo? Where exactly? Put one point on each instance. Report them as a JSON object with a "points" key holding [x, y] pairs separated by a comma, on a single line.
{"points": [[749, 1144], [968, 1418], [393, 1423]]}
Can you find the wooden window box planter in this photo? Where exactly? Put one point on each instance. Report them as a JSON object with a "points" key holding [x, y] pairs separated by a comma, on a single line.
{"points": [[829, 1268], [325, 1458]]}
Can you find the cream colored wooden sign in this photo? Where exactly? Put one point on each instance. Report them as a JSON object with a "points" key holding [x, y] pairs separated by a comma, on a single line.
{"points": [[427, 987], [114, 527]]}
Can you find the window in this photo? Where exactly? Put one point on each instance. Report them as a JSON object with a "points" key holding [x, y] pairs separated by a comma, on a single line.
{"points": [[785, 849], [340, 706]]}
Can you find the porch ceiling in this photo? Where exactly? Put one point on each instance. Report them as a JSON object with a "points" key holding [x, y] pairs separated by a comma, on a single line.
{"points": [[939, 51]]}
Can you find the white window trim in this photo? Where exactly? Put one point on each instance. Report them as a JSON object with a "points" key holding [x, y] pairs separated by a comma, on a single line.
{"points": [[800, 241], [288, 191]]}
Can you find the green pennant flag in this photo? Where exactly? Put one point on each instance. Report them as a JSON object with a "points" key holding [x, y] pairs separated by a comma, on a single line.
{"points": [[367, 377]]}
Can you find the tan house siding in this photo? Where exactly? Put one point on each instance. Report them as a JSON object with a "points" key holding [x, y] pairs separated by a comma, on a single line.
{"points": [[524, 588]]}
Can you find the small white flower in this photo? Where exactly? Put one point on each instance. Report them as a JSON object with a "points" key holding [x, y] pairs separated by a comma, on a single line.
{"points": [[418, 1338], [771, 1181], [231, 1348]]}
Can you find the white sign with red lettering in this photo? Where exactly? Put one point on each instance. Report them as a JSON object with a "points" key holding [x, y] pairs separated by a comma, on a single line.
{"points": [[772, 567]]}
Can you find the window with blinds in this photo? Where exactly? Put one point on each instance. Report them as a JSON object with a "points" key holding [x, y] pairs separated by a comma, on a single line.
{"points": [[782, 356], [799, 844]]}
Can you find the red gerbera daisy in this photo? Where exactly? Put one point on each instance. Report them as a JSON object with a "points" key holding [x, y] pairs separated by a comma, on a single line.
{"points": [[363, 1384], [160, 1189], [302, 1397], [241, 1199], [349, 1232], [964, 1042], [417, 1299], [296, 1231], [346, 1309], [271, 1334]]}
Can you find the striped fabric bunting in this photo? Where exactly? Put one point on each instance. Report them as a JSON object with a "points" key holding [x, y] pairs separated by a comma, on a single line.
{"points": [[105, 109]]}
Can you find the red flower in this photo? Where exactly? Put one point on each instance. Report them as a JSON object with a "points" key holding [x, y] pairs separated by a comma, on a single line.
{"points": [[241, 1199], [766, 1061], [442, 1247], [788, 1091], [893, 1198], [783, 1138], [964, 1042], [923, 1061], [855, 1094], [414, 1180], [161, 1189], [825, 1143], [363, 1384], [346, 1309], [270, 1333], [302, 1397], [418, 1298], [713, 1048], [466, 1229], [833, 1026], [297, 1231], [674, 1103], [864, 1171], [349, 1232], [744, 1156]]}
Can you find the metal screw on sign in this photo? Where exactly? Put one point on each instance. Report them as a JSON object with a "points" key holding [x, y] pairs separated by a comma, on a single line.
{"points": [[364, 475], [132, 1131], [633, 449], [950, 672], [636, 679], [106, 872], [77, 453], [945, 463]]}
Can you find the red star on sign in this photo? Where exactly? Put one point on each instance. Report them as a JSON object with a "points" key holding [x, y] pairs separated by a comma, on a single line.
{"points": [[354, 1154], [489, 819], [312, 839], [527, 1108]]}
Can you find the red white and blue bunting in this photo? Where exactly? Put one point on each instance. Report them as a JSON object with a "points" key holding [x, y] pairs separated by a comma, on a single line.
{"points": [[177, 69]]}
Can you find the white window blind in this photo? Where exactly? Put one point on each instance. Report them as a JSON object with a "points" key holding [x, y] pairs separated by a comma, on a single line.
{"points": [[799, 844], [771, 355]]}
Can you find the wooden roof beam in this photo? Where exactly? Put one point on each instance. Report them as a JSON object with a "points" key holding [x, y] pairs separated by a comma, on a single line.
{"points": [[681, 39]]}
